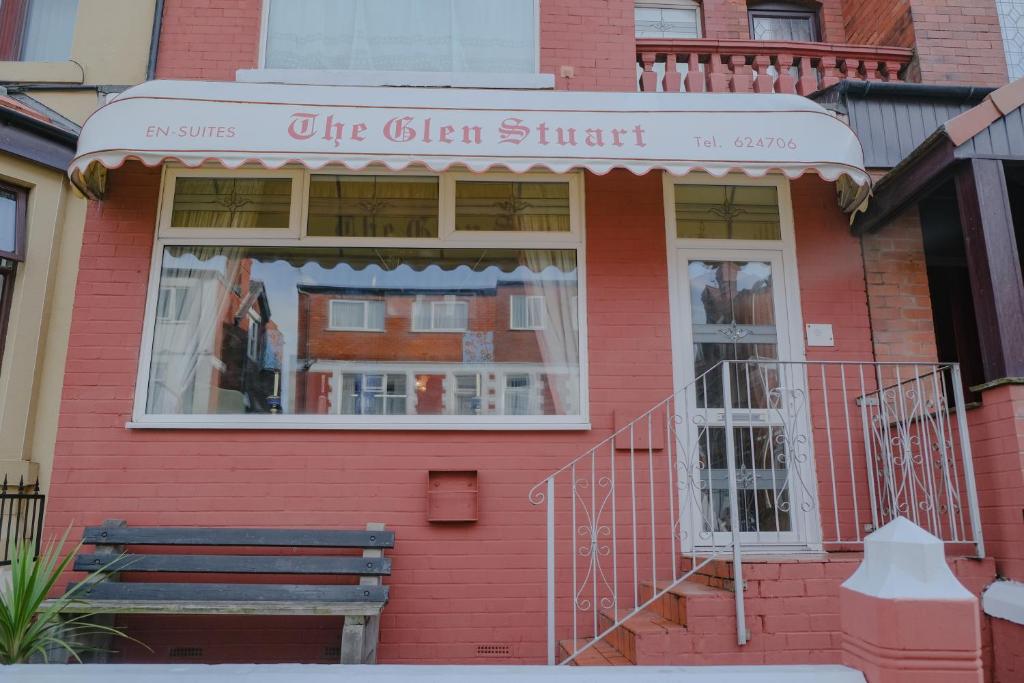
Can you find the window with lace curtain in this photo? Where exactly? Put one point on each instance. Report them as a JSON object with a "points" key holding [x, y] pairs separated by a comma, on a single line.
{"points": [[455, 36], [667, 19], [37, 30], [783, 21], [366, 299]]}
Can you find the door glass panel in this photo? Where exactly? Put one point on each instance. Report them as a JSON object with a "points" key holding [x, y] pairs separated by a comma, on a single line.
{"points": [[733, 318], [727, 212], [762, 480]]}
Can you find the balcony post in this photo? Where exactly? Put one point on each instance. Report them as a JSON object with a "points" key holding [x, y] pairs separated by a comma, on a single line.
{"points": [[718, 74], [850, 68], [672, 80], [742, 75], [694, 76], [648, 79], [870, 67], [808, 81], [763, 81], [785, 83], [827, 70]]}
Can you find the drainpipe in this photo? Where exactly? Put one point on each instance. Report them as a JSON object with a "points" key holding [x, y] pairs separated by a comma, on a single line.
{"points": [[154, 40]]}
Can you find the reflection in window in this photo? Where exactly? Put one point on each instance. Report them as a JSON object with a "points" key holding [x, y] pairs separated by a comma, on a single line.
{"points": [[783, 21], [528, 312], [37, 30], [741, 212], [346, 314], [733, 318], [482, 36], [250, 320], [372, 206], [207, 202], [511, 207]]}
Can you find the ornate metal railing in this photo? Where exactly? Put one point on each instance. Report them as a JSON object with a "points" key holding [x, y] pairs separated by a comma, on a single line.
{"points": [[752, 456], [704, 65], [21, 517]]}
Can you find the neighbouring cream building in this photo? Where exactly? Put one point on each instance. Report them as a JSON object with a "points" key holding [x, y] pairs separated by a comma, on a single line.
{"points": [[59, 60]]}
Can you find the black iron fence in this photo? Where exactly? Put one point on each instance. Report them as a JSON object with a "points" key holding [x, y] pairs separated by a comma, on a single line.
{"points": [[21, 517]]}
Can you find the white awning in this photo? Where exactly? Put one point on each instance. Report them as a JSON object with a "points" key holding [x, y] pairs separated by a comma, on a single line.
{"points": [[232, 124]]}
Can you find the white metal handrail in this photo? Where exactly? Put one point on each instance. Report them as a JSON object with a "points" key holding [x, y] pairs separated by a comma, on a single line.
{"points": [[763, 454]]}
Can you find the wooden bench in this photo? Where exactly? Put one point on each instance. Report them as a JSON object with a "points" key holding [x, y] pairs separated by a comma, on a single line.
{"points": [[359, 604]]}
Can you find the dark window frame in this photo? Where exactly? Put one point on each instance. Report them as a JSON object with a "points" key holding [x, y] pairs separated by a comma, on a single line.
{"points": [[784, 10], [8, 271], [20, 221]]}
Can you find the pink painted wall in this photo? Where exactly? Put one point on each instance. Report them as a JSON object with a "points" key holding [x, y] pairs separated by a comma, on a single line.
{"points": [[452, 587]]}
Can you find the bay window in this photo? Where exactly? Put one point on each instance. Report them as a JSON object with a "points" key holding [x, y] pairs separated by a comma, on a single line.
{"points": [[378, 311], [455, 36]]}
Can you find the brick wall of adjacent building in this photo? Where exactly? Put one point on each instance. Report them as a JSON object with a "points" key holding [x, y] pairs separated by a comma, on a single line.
{"points": [[727, 20], [897, 286], [959, 42], [878, 22]]}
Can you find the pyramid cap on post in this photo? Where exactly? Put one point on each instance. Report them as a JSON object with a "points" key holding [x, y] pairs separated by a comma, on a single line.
{"points": [[902, 561]]}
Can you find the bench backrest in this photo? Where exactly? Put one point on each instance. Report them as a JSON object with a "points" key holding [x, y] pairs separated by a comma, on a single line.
{"points": [[113, 536]]}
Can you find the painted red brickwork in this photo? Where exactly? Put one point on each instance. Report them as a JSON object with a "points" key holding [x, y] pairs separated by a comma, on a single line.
{"points": [[453, 588], [1008, 645], [594, 38], [878, 22], [727, 19], [997, 439], [897, 285], [208, 39]]}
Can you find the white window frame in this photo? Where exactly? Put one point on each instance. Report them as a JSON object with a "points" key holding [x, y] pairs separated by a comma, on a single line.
{"points": [[366, 316], [672, 4], [527, 298], [175, 292], [167, 235], [496, 79], [171, 175], [252, 336]]}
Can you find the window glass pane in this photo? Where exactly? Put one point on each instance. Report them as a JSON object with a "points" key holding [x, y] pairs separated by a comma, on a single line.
{"points": [[205, 202], [512, 207], [372, 206], [403, 35], [8, 221], [661, 20], [206, 360], [741, 212], [49, 28], [782, 27]]}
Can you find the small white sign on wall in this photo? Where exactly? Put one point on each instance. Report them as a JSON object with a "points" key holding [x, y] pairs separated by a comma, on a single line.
{"points": [[820, 334]]}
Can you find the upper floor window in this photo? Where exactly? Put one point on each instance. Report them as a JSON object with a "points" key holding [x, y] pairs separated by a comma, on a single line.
{"points": [[667, 19], [37, 30], [783, 21], [482, 36]]}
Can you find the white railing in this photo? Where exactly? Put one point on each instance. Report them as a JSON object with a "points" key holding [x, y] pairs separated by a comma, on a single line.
{"points": [[752, 456]]}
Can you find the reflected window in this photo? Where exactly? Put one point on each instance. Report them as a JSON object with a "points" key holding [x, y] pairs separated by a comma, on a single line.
{"points": [[238, 329], [730, 212]]}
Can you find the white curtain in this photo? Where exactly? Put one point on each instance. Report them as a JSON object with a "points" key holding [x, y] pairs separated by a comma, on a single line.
{"points": [[49, 27], [202, 287], [403, 35], [559, 339]]}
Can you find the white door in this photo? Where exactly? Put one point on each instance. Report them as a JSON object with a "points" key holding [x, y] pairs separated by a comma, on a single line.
{"points": [[735, 301]]}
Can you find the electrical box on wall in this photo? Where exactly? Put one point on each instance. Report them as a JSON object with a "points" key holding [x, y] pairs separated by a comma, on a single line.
{"points": [[820, 334], [452, 496]]}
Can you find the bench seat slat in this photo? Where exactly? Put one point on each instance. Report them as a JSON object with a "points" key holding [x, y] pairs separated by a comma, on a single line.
{"points": [[260, 608], [236, 564], [230, 592], [270, 538]]}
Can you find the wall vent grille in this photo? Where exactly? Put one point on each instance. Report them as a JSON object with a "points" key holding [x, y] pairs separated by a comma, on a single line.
{"points": [[494, 650], [332, 652], [185, 652]]}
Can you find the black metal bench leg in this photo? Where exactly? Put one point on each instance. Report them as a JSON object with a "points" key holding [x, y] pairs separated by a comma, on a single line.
{"points": [[359, 640]]}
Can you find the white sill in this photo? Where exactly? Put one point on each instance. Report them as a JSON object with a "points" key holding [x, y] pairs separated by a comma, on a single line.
{"points": [[426, 79], [266, 422]]}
